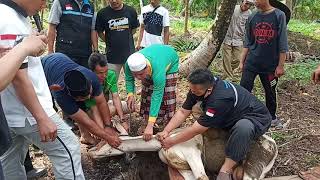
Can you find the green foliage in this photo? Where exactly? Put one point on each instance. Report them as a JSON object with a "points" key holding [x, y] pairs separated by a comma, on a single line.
{"points": [[300, 71], [195, 25], [307, 28], [307, 9], [278, 136], [183, 44]]}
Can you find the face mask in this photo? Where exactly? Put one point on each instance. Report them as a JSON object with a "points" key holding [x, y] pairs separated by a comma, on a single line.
{"points": [[201, 98]]}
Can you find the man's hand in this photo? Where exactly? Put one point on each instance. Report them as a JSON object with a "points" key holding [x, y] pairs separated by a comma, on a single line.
{"points": [[167, 143], [316, 75], [148, 132], [47, 130], [162, 135], [131, 103], [35, 45], [279, 71], [113, 138]]}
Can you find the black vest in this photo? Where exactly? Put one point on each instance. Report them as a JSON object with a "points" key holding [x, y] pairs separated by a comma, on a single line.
{"points": [[74, 29]]}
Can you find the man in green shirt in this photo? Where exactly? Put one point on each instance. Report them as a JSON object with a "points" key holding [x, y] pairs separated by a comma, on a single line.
{"points": [[157, 67], [108, 78]]}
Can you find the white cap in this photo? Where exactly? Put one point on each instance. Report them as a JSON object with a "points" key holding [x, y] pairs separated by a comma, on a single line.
{"points": [[250, 1], [137, 62]]}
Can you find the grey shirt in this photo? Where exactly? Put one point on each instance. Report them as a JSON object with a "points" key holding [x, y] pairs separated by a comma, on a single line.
{"points": [[236, 30], [56, 13]]}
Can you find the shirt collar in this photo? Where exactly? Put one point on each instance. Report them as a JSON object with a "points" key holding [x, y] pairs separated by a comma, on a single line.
{"points": [[14, 6], [85, 2]]}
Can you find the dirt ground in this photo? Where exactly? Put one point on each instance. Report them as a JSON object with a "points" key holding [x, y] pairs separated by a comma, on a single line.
{"points": [[298, 142]]}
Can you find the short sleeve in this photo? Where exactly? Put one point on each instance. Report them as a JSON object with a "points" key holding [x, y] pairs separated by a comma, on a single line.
{"points": [[141, 15], [94, 19], [134, 23], [99, 27], [283, 36], [189, 102], [248, 35], [96, 86], [55, 13], [166, 19], [113, 83], [66, 103], [216, 113]]}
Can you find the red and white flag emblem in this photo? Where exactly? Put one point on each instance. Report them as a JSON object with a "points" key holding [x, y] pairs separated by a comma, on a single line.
{"points": [[68, 7], [210, 112]]}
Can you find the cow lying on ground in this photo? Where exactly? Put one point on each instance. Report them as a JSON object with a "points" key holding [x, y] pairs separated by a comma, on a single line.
{"points": [[206, 150]]}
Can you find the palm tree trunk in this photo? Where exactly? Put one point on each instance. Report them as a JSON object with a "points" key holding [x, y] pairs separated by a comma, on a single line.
{"points": [[186, 32], [204, 54]]}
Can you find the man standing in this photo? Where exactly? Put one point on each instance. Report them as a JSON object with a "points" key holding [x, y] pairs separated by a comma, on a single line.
{"points": [[10, 63], [71, 85], [27, 104], [153, 20], [108, 79], [71, 24], [225, 106], [264, 52], [233, 41], [157, 67], [116, 25]]}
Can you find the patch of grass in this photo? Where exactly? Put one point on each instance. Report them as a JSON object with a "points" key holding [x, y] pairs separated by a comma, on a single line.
{"points": [[307, 28], [300, 71], [278, 136], [194, 25]]}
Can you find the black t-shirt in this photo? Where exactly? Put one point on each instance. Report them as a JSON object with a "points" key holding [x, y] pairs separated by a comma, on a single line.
{"points": [[5, 139], [266, 37], [118, 26], [223, 108]]}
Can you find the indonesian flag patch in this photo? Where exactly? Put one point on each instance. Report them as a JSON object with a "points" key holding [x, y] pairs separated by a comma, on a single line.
{"points": [[210, 112], [69, 7]]}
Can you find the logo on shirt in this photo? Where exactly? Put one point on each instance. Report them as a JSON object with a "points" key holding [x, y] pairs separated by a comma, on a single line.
{"points": [[119, 24], [210, 112], [69, 7], [264, 32]]}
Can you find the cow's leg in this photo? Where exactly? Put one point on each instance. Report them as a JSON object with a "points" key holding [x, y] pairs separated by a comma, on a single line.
{"points": [[186, 156], [174, 174], [267, 151], [129, 144]]}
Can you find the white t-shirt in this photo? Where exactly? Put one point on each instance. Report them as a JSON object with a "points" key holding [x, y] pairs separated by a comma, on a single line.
{"points": [[13, 28], [154, 24]]}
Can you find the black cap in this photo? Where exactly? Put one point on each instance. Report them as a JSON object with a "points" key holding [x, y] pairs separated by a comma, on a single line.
{"points": [[77, 84]]}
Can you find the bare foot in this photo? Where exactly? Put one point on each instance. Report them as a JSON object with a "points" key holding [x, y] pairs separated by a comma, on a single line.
{"points": [[174, 174], [88, 140]]}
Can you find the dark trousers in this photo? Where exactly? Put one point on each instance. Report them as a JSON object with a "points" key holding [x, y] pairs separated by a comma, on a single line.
{"points": [[1, 172], [82, 61], [242, 134], [269, 83], [28, 163]]}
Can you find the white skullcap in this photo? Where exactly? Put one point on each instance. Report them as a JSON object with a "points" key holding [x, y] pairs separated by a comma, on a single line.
{"points": [[250, 1], [137, 62]]}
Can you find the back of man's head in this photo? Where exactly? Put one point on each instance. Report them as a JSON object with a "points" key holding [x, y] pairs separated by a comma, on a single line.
{"points": [[97, 59], [77, 84], [202, 77]]}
